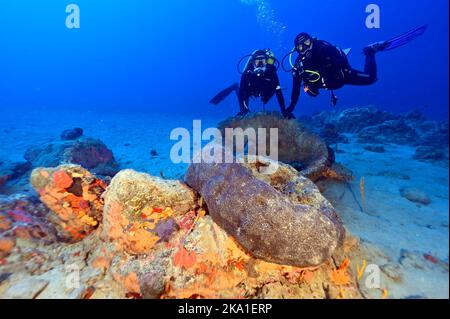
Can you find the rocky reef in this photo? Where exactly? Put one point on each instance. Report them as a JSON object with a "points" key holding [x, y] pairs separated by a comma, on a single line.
{"points": [[374, 126]]}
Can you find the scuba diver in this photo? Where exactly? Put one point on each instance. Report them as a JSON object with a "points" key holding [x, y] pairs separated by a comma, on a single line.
{"points": [[259, 79], [321, 65]]}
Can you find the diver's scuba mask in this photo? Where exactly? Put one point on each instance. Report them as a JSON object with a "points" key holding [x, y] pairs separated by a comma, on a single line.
{"points": [[260, 60], [304, 45], [259, 65]]}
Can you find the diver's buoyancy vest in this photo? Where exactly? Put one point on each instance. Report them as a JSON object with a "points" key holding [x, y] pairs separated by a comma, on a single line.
{"points": [[259, 84], [324, 68]]}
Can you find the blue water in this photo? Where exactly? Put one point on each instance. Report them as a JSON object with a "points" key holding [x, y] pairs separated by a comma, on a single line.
{"points": [[173, 56]]}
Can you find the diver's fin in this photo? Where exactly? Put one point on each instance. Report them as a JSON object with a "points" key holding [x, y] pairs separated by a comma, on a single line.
{"points": [[222, 95], [398, 41], [347, 51]]}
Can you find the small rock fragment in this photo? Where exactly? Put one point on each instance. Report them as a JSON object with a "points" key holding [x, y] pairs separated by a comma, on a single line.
{"points": [[415, 195]]}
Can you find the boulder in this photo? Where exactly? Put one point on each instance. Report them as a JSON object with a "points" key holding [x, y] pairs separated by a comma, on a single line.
{"points": [[74, 196], [140, 210], [281, 218], [72, 134], [90, 153]]}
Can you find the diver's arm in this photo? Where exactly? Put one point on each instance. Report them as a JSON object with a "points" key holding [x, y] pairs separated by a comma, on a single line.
{"points": [[243, 95], [279, 93], [296, 88], [244, 99]]}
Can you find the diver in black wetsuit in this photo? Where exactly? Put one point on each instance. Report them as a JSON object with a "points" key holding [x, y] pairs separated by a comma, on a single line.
{"points": [[259, 79], [321, 65]]}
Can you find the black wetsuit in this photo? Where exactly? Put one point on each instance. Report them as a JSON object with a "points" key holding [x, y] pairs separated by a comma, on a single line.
{"points": [[262, 84], [334, 69]]}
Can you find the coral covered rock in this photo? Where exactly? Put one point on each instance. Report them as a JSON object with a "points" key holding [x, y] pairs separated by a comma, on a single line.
{"points": [[74, 196], [89, 153], [139, 209], [280, 218], [297, 145], [24, 218], [213, 265]]}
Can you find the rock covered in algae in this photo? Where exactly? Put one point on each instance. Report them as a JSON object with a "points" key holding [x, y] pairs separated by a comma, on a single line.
{"points": [[74, 196], [216, 266], [297, 145], [12, 173], [139, 209], [280, 218], [92, 154], [25, 218]]}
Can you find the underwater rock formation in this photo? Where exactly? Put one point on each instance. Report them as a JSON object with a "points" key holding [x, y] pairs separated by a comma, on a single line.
{"points": [[394, 131], [297, 146], [74, 196], [90, 153], [431, 154], [222, 269], [11, 171], [24, 218], [331, 135], [280, 218], [376, 126], [415, 195], [72, 134], [140, 210], [353, 120]]}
